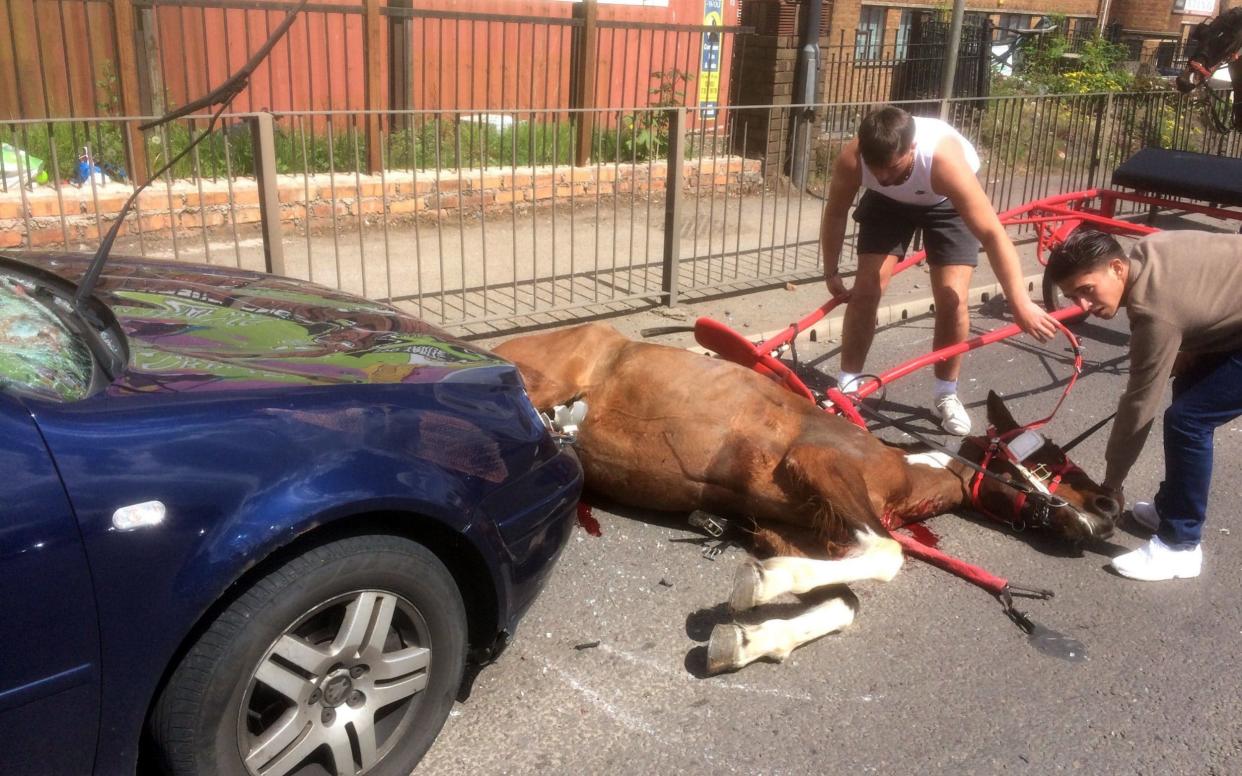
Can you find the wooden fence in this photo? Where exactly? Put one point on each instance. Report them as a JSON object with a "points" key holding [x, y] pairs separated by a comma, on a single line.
{"points": [[111, 58]]}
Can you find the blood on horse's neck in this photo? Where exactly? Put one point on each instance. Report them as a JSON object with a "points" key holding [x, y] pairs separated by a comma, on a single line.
{"points": [[936, 485]]}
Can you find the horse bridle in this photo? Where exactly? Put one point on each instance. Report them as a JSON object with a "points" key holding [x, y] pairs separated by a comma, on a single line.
{"points": [[1032, 487], [1202, 70], [1210, 95], [1041, 479], [1195, 63], [1040, 491]]}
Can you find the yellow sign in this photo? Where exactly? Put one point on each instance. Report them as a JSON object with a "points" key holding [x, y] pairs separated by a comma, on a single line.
{"points": [[709, 87], [709, 63]]}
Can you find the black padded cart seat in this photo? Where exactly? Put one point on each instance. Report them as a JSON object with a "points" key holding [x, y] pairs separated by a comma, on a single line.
{"points": [[1184, 174]]}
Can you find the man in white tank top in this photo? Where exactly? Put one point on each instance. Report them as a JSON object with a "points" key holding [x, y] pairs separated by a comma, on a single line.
{"points": [[919, 174]]}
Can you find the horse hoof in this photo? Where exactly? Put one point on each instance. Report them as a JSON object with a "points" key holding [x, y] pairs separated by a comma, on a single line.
{"points": [[747, 588], [724, 650]]}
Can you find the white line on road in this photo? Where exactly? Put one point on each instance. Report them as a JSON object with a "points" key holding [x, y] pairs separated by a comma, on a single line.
{"points": [[625, 718], [665, 671]]}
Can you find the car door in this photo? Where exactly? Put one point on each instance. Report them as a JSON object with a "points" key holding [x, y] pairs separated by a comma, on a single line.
{"points": [[49, 637]]}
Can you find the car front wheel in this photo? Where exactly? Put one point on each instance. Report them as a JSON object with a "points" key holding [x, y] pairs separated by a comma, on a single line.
{"points": [[344, 660]]}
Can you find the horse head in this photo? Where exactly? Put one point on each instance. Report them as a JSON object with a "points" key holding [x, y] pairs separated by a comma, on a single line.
{"points": [[1211, 44], [1045, 489]]}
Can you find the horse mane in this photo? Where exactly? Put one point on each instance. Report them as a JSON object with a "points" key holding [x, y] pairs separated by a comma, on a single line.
{"points": [[1226, 24]]}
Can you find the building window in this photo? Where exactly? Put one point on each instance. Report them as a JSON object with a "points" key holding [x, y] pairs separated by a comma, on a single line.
{"points": [[1196, 7], [903, 34], [1080, 27], [974, 19], [869, 38], [1012, 21]]}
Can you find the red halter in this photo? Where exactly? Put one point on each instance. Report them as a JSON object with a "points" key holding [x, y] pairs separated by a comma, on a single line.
{"points": [[997, 446], [1199, 68]]}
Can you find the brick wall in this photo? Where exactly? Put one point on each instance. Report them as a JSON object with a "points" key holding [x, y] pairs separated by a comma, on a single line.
{"points": [[43, 218], [767, 78], [1149, 16], [1031, 7], [766, 69]]}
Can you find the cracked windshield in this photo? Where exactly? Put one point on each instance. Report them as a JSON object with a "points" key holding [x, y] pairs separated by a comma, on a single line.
{"points": [[39, 356]]}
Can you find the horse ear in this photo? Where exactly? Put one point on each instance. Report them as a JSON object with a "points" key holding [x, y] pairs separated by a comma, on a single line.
{"points": [[999, 415]]}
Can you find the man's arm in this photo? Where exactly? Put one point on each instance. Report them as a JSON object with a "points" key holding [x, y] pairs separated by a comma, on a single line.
{"points": [[846, 179], [1153, 349], [952, 177]]}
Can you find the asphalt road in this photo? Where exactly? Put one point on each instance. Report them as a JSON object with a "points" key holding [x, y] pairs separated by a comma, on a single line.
{"points": [[605, 675]]}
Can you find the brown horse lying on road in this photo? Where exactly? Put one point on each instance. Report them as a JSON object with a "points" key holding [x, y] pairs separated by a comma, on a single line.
{"points": [[671, 430]]}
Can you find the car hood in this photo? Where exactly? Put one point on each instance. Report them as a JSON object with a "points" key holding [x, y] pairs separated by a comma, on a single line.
{"points": [[201, 328]]}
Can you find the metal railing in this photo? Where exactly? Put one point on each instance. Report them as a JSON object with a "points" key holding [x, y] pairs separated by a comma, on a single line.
{"points": [[890, 67], [490, 226], [70, 58]]}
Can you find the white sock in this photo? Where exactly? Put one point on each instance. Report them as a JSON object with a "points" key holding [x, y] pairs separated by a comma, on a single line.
{"points": [[945, 387], [848, 381]]}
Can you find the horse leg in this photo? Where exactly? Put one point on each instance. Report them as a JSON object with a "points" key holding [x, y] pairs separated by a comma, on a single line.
{"points": [[758, 582], [734, 645]]}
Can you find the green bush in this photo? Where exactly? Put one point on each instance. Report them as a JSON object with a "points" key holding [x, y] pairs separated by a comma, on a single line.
{"points": [[1049, 65]]}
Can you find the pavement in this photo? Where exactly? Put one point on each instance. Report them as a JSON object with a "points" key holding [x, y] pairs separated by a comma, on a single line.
{"points": [[606, 673]]}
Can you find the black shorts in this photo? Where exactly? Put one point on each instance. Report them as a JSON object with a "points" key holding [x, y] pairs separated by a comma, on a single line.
{"points": [[886, 227]]}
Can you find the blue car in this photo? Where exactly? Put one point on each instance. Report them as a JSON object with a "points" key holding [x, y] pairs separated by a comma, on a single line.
{"points": [[252, 525]]}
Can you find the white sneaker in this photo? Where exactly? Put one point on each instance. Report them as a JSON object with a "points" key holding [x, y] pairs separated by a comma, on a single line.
{"points": [[1157, 561], [1145, 515], [953, 417], [849, 385]]}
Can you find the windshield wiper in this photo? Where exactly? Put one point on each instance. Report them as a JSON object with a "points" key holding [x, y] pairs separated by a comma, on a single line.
{"points": [[222, 95]]}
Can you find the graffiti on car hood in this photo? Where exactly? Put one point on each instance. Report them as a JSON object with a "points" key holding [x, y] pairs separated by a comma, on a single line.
{"points": [[203, 328]]}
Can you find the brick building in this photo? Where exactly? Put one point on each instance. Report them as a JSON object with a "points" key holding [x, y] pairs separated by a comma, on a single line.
{"points": [[867, 47], [1163, 18], [877, 21]]}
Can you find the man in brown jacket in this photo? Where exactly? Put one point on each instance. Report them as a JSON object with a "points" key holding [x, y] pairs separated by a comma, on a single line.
{"points": [[1182, 291]]}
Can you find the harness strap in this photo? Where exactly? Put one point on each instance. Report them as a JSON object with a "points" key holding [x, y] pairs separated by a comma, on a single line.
{"points": [[1069, 386], [997, 586], [996, 445], [1200, 69]]}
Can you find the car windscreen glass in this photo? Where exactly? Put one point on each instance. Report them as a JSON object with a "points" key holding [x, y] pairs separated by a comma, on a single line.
{"points": [[40, 355]]}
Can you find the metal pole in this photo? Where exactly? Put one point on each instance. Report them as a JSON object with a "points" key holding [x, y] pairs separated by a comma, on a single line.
{"points": [[1096, 155], [672, 203], [263, 138], [805, 92], [588, 59], [129, 82], [950, 62], [372, 83]]}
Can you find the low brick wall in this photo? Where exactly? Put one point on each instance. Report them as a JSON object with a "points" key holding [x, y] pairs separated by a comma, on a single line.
{"points": [[46, 217]]}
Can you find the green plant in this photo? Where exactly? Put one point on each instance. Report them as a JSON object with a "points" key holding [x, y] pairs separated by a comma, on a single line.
{"points": [[107, 90], [643, 135], [1050, 65], [468, 142]]}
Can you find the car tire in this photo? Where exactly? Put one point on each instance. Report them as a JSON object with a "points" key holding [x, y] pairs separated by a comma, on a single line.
{"points": [[353, 649]]}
